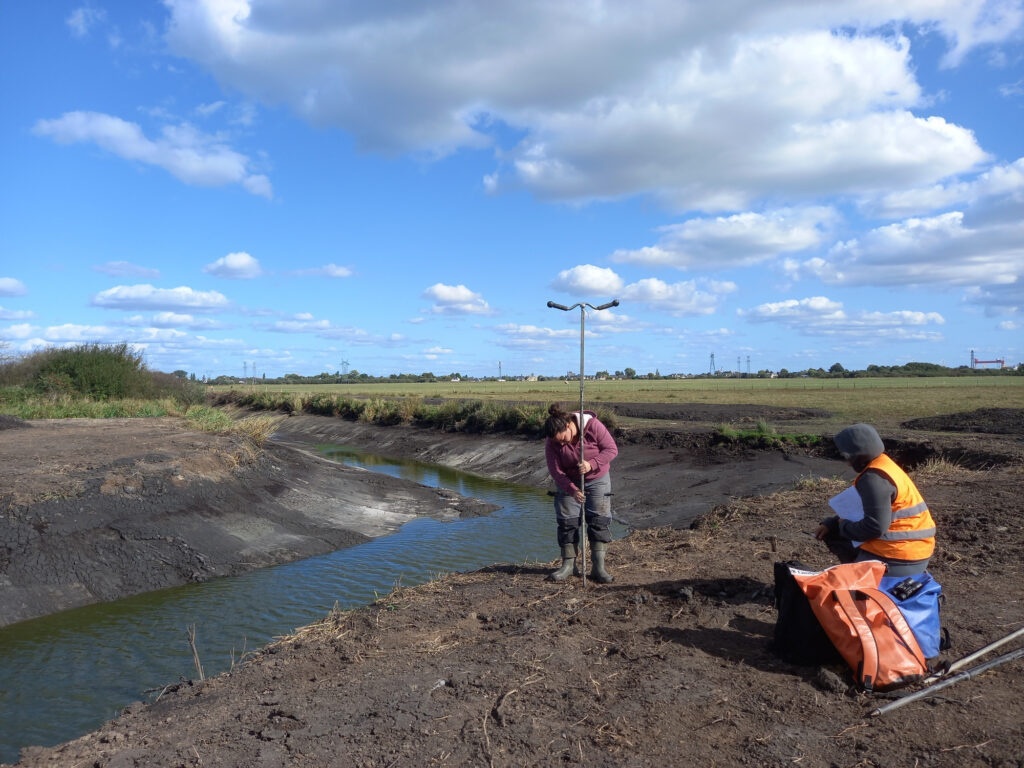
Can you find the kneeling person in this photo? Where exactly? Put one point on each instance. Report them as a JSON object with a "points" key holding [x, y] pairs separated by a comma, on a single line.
{"points": [[897, 527]]}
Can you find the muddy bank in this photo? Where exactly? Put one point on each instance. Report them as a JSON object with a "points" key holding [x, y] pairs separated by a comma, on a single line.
{"points": [[96, 510], [669, 665], [659, 478]]}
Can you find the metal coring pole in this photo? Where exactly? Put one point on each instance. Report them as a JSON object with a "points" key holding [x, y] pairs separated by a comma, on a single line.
{"points": [[583, 517]]}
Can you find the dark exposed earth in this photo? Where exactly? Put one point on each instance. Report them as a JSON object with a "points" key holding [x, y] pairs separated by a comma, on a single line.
{"points": [[668, 665]]}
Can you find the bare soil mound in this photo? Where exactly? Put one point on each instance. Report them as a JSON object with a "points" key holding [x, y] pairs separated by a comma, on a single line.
{"points": [[714, 413], [993, 421], [668, 665]]}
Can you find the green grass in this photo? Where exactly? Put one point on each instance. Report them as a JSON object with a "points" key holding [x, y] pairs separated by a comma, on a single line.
{"points": [[883, 400], [16, 403], [765, 436]]}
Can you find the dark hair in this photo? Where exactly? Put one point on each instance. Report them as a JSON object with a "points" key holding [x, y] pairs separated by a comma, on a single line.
{"points": [[557, 421]]}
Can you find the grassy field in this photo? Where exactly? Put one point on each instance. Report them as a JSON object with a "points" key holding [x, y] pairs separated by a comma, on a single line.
{"points": [[849, 400]]}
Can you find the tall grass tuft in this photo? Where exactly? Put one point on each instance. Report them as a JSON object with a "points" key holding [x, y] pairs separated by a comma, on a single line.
{"points": [[257, 428]]}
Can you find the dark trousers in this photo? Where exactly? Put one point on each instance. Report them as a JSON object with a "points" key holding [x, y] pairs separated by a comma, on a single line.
{"points": [[597, 508], [846, 552]]}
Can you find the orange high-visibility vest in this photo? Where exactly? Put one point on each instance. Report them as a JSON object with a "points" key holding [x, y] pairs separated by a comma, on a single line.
{"points": [[911, 534]]}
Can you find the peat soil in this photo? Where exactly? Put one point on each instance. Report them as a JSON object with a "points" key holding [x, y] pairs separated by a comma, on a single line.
{"points": [[668, 665]]}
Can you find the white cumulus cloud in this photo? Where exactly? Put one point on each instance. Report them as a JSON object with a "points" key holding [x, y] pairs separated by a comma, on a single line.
{"points": [[733, 241], [186, 153], [11, 286], [686, 298], [456, 300], [588, 280], [705, 109], [235, 266], [148, 297], [821, 316]]}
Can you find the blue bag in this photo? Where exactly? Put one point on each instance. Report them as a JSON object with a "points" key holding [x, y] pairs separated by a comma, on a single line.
{"points": [[919, 598]]}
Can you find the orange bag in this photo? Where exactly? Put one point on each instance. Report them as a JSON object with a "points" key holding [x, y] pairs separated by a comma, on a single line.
{"points": [[864, 624]]}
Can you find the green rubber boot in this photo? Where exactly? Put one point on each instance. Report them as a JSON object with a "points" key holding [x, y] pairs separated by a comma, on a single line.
{"points": [[568, 564], [597, 571]]}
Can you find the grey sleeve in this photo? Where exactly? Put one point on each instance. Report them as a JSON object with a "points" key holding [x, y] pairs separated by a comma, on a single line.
{"points": [[876, 493]]}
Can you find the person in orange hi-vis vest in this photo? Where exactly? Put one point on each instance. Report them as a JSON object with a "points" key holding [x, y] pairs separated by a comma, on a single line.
{"points": [[897, 527]]}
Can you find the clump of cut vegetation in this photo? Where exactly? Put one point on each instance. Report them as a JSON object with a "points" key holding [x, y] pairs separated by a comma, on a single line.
{"points": [[830, 485], [91, 381], [940, 467]]}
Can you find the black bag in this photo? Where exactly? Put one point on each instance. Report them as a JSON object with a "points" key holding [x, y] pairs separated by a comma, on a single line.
{"points": [[799, 637]]}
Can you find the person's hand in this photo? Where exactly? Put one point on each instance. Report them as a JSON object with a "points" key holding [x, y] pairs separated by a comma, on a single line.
{"points": [[585, 466], [828, 527], [579, 496]]}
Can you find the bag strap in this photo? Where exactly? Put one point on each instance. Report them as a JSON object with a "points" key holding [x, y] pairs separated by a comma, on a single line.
{"points": [[868, 670], [898, 621]]}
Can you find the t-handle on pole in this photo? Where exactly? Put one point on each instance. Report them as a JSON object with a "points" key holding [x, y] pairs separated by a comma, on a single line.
{"points": [[581, 424]]}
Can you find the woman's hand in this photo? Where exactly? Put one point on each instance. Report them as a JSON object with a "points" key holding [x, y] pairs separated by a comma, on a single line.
{"points": [[585, 466]]}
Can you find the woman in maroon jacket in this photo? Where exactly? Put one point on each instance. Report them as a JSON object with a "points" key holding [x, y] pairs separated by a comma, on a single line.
{"points": [[562, 431]]}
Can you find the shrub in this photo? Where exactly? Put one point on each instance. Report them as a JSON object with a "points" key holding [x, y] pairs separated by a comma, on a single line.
{"points": [[185, 392], [101, 372], [94, 372]]}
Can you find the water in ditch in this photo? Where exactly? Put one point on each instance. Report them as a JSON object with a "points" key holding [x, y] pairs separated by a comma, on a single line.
{"points": [[66, 674]]}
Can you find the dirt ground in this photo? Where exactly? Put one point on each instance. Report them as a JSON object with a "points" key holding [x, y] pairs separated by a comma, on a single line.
{"points": [[668, 665]]}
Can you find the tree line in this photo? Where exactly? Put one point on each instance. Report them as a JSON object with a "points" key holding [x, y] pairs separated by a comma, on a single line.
{"points": [[835, 371]]}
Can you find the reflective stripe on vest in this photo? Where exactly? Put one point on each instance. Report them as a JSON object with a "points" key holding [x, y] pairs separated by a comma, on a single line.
{"points": [[911, 534]]}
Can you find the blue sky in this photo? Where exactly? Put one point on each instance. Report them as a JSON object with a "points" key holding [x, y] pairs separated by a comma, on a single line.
{"points": [[305, 186]]}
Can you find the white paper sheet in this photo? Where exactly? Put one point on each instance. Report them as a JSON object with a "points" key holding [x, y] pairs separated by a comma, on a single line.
{"points": [[848, 506]]}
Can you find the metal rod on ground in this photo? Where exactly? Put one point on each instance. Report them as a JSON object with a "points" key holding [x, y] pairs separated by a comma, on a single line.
{"points": [[945, 683], [583, 506], [976, 655]]}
